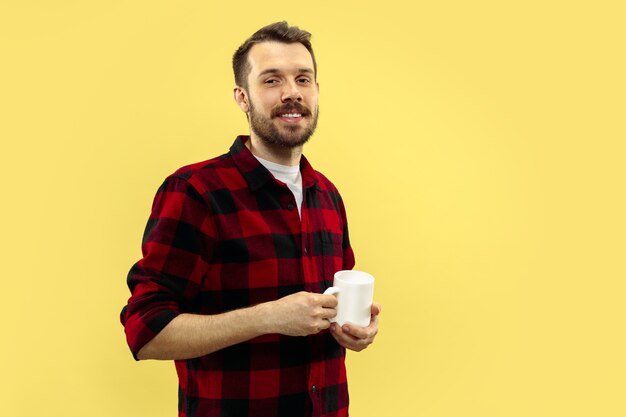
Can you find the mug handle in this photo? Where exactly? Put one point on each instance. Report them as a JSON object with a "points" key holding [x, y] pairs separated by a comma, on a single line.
{"points": [[332, 291]]}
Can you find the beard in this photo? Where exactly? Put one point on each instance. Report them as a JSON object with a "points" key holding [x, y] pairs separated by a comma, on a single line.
{"points": [[270, 133]]}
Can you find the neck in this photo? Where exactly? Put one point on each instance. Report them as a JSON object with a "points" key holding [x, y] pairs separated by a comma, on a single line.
{"points": [[277, 154]]}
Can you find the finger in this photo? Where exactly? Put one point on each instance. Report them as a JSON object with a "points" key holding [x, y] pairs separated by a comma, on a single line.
{"points": [[338, 331], [374, 322], [348, 341], [342, 338], [376, 309], [329, 313], [361, 332], [328, 301], [323, 324]]}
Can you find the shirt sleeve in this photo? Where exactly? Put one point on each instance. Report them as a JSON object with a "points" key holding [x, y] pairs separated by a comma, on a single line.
{"points": [[177, 246], [348, 253]]}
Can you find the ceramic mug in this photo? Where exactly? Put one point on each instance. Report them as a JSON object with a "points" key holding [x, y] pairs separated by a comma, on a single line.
{"points": [[355, 292]]}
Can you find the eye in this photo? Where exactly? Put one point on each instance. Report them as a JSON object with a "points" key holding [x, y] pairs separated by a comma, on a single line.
{"points": [[271, 81], [304, 81]]}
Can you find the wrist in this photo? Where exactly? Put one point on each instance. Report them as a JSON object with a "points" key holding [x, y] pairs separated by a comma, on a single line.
{"points": [[262, 318]]}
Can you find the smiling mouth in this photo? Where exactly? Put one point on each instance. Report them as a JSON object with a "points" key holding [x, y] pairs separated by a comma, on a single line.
{"points": [[291, 117]]}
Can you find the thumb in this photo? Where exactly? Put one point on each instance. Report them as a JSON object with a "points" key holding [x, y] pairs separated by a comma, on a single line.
{"points": [[376, 309]]}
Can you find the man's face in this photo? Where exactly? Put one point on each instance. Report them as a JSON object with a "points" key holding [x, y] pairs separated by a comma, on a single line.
{"points": [[282, 93]]}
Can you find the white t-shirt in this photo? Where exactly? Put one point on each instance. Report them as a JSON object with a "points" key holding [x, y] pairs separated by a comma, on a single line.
{"points": [[291, 176]]}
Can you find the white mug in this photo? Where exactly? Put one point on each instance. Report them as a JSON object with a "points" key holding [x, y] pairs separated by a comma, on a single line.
{"points": [[355, 292]]}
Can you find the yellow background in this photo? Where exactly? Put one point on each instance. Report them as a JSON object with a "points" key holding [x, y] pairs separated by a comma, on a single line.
{"points": [[479, 147]]}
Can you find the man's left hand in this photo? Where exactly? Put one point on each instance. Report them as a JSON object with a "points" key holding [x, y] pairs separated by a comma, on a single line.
{"points": [[354, 337]]}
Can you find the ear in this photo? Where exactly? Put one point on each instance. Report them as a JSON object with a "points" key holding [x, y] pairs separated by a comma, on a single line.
{"points": [[241, 97]]}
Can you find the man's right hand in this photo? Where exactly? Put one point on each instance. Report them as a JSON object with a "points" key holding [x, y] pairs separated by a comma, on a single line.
{"points": [[301, 314]]}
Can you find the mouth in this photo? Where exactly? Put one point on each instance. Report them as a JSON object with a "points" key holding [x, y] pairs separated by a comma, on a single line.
{"points": [[291, 117]]}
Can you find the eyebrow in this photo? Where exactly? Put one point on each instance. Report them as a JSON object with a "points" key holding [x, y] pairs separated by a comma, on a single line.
{"points": [[277, 71]]}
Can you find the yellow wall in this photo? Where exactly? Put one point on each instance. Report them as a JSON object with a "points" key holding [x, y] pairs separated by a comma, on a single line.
{"points": [[479, 147]]}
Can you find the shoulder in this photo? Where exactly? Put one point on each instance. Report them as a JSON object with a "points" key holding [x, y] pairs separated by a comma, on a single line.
{"points": [[326, 185], [205, 176], [203, 168], [328, 194]]}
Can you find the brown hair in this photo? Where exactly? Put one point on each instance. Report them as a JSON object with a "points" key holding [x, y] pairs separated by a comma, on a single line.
{"points": [[276, 32]]}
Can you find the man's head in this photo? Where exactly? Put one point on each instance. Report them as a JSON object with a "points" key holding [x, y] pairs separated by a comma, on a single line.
{"points": [[275, 75], [276, 32]]}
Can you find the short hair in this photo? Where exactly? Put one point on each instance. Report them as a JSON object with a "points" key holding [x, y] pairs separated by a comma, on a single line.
{"points": [[276, 32]]}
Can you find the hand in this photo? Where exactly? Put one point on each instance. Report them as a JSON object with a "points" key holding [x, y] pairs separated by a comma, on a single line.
{"points": [[354, 337], [301, 314]]}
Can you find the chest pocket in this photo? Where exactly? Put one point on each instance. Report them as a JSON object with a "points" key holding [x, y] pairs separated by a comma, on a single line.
{"points": [[332, 251]]}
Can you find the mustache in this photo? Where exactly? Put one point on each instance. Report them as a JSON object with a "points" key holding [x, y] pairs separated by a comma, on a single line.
{"points": [[294, 107]]}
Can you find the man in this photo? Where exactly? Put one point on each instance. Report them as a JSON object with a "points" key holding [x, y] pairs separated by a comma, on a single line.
{"points": [[238, 250]]}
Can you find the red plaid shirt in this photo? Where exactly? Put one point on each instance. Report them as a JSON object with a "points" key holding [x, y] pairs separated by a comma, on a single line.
{"points": [[225, 234]]}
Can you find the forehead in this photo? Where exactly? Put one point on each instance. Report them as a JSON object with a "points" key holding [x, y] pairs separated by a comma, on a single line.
{"points": [[286, 57]]}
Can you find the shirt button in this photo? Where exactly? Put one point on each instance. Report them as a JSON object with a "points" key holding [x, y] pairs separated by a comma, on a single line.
{"points": [[290, 206], [314, 388], [306, 251]]}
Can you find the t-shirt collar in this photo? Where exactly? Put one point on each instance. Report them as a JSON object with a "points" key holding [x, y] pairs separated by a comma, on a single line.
{"points": [[257, 175]]}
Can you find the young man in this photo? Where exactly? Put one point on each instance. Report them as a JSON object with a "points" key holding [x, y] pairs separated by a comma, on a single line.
{"points": [[238, 250]]}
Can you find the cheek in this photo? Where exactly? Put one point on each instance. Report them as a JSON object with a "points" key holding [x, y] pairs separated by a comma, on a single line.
{"points": [[266, 101], [311, 100]]}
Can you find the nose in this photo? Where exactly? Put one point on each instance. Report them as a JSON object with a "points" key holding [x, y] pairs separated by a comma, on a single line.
{"points": [[291, 92]]}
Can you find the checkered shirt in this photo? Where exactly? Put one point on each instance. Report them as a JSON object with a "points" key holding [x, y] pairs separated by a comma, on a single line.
{"points": [[225, 234]]}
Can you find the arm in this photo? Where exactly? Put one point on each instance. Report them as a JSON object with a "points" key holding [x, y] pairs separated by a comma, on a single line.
{"points": [[189, 335], [177, 244]]}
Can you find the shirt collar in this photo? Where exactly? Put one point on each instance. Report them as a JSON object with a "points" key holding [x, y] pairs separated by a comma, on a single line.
{"points": [[256, 175]]}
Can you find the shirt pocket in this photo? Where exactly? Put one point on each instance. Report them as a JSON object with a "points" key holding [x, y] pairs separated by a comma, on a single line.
{"points": [[332, 251]]}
